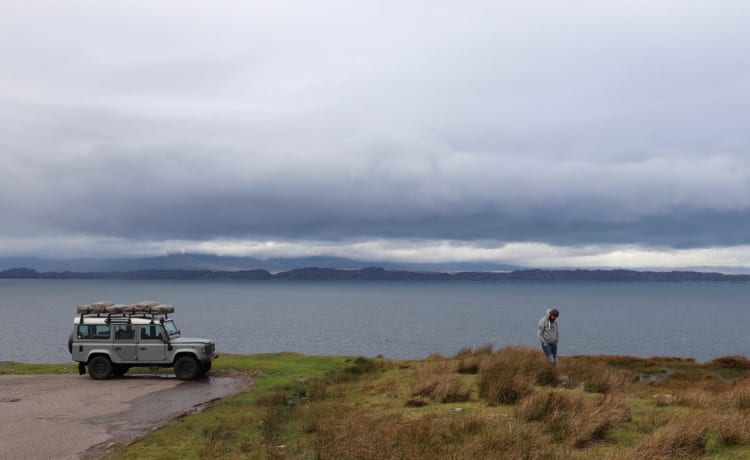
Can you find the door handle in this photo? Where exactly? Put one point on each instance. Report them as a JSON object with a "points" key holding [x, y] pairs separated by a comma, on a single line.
{"points": [[144, 348], [118, 348]]}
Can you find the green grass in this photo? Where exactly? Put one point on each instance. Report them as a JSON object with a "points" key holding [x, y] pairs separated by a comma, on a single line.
{"points": [[12, 368], [244, 425]]}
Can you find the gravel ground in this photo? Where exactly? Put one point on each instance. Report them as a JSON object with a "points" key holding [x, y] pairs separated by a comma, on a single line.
{"points": [[72, 416]]}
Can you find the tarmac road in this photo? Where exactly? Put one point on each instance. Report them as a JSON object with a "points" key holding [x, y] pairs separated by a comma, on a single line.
{"points": [[73, 416]]}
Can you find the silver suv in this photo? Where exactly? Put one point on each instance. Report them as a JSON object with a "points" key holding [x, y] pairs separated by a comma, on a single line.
{"points": [[111, 338]]}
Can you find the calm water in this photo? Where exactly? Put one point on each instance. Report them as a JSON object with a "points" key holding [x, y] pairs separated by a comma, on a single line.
{"points": [[395, 319]]}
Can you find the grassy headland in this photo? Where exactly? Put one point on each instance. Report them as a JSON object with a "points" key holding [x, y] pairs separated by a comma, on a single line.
{"points": [[481, 403]]}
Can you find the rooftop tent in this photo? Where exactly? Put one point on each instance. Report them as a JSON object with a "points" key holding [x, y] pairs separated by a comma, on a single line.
{"points": [[111, 308], [162, 309], [96, 307], [116, 308], [144, 306]]}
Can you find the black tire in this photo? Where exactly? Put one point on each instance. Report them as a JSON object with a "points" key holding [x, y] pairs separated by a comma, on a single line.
{"points": [[70, 342], [204, 368], [118, 370], [100, 368], [186, 368]]}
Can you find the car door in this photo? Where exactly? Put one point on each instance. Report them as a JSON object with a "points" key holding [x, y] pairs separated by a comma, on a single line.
{"points": [[151, 346], [125, 348], [90, 337]]}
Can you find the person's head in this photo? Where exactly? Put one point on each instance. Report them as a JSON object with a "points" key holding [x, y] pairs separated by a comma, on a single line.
{"points": [[553, 314]]}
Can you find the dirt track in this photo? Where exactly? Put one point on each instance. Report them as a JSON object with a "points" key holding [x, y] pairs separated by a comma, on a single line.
{"points": [[64, 416]]}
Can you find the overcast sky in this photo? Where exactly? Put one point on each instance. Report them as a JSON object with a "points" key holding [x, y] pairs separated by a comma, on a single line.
{"points": [[538, 133]]}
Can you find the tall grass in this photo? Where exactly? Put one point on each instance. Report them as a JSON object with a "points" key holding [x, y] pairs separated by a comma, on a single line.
{"points": [[443, 388], [374, 409], [680, 438], [367, 436], [572, 418], [470, 360], [510, 373], [738, 397]]}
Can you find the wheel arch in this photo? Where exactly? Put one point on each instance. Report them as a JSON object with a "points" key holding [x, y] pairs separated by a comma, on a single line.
{"points": [[94, 353], [182, 353]]}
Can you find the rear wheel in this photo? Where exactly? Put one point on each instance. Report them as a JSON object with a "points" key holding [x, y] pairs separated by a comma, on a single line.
{"points": [[186, 368], [100, 368]]}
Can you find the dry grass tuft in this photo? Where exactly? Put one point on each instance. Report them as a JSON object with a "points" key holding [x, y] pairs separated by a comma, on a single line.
{"points": [[444, 388], [731, 362], [470, 360], [603, 380], [696, 398], [595, 376], [416, 401], [736, 398], [733, 428], [681, 438], [511, 372], [432, 436], [484, 350], [572, 418]]}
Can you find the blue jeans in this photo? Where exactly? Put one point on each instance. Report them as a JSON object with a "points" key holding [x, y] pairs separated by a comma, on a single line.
{"points": [[550, 351]]}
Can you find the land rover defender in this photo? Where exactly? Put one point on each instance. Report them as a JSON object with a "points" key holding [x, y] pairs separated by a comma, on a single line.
{"points": [[110, 338]]}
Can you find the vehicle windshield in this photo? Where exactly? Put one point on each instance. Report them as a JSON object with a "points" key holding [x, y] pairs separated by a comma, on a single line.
{"points": [[170, 327]]}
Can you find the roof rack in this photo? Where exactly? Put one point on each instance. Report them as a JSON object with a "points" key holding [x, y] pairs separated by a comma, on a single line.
{"points": [[118, 311]]}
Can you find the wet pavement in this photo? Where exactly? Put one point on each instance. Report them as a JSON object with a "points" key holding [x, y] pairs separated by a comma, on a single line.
{"points": [[72, 416]]}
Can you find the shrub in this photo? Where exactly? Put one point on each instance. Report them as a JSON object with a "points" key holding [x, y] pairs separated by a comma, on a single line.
{"points": [[511, 372]]}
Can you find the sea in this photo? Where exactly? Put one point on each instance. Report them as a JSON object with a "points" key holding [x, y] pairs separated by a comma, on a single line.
{"points": [[396, 320]]}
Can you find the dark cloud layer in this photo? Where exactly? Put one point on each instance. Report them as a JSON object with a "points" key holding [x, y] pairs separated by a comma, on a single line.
{"points": [[618, 123]]}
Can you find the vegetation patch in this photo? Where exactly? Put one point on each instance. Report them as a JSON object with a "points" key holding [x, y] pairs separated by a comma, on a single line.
{"points": [[480, 403], [13, 368]]}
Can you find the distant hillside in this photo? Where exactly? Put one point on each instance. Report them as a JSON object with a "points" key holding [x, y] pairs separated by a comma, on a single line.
{"points": [[207, 262], [381, 274]]}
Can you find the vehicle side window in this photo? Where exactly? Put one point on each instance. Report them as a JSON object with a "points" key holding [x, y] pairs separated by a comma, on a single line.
{"points": [[152, 332], [124, 333], [93, 331]]}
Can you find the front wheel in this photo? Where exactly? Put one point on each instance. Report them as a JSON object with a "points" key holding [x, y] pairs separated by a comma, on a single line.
{"points": [[186, 368], [204, 368], [119, 370], [100, 368]]}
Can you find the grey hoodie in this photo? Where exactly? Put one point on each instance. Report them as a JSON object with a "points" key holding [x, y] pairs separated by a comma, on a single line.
{"points": [[547, 332]]}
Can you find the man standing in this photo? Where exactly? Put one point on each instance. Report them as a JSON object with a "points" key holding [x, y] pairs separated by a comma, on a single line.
{"points": [[548, 334]]}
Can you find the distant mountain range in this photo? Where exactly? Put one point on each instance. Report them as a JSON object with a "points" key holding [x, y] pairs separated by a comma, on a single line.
{"points": [[228, 263], [381, 274]]}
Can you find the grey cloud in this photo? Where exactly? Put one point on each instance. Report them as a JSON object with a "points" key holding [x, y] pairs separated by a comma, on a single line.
{"points": [[584, 123], [394, 186]]}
